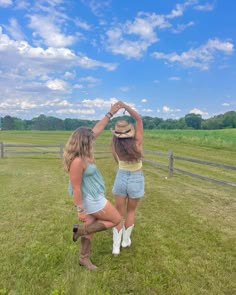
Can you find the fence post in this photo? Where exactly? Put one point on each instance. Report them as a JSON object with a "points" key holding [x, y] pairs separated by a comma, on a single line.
{"points": [[2, 149], [171, 164], [61, 151]]}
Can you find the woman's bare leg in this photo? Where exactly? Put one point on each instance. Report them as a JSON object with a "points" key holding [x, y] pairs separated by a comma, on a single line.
{"points": [[109, 215], [121, 206], [131, 206]]}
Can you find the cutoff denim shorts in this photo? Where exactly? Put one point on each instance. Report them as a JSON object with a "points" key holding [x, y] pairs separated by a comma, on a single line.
{"points": [[129, 183], [93, 205]]}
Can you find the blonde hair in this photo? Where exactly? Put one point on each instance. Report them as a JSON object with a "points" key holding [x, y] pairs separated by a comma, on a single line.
{"points": [[79, 144]]}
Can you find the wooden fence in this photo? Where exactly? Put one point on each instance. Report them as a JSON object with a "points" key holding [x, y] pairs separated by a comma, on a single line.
{"points": [[6, 149], [172, 169]]}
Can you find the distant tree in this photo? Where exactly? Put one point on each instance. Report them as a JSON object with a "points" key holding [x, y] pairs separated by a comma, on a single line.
{"points": [[168, 124], [8, 123], [19, 124], [193, 120], [151, 122], [229, 119], [215, 122], [70, 124], [181, 124], [226, 120], [157, 121], [28, 124], [55, 123], [40, 123]]}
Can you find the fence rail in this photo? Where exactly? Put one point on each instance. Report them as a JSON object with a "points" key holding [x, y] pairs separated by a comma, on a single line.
{"points": [[169, 156], [4, 151], [228, 167]]}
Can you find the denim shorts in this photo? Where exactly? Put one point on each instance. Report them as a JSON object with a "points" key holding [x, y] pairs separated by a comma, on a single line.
{"points": [[92, 205], [129, 183]]}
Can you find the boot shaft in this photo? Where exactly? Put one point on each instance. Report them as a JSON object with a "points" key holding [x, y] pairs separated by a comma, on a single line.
{"points": [[85, 251], [86, 229], [126, 241], [116, 241]]}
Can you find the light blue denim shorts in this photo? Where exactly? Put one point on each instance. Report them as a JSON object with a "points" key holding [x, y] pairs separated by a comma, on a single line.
{"points": [[129, 183], [92, 205]]}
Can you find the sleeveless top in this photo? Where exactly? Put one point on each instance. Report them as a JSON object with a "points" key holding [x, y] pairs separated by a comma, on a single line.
{"points": [[129, 166], [92, 182]]}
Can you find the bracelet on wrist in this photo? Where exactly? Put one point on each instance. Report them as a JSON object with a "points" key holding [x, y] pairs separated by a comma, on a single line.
{"points": [[79, 208], [109, 115]]}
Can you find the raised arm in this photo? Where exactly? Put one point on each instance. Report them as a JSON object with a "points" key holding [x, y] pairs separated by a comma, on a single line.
{"points": [[139, 122], [98, 128]]}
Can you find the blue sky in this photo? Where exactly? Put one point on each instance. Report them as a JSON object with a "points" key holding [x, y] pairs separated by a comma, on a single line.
{"points": [[72, 59]]}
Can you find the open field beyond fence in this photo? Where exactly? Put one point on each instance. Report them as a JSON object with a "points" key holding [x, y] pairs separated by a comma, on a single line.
{"points": [[184, 237]]}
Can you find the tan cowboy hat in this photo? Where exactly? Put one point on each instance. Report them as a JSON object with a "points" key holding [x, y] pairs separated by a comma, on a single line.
{"points": [[123, 129]]}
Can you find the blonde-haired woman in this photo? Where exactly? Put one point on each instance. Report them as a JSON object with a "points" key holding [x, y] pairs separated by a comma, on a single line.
{"points": [[128, 187], [87, 187]]}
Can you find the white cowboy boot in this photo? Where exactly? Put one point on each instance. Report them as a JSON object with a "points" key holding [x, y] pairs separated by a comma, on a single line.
{"points": [[126, 242], [116, 241]]}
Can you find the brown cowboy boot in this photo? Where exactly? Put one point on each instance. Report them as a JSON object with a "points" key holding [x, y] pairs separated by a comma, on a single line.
{"points": [[86, 229], [84, 258]]}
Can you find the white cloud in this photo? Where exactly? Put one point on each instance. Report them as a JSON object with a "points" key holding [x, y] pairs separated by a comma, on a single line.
{"points": [[56, 85], [200, 57], [75, 111], [91, 81], [178, 11], [69, 75], [5, 3], [17, 103], [181, 27], [78, 86], [22, 103], [23, 60], [14, 30], [229, 104], [147, 110], [98, 103], [180, 8], [82, 24], [86, 62], [156, 81], [144, 100], [97, 7], [45, 28], [198, 112], [21, 4], [167, 109], [117, 44], [133, 38], [57, 102], [174, 78], [125, 88], [205, 7]]}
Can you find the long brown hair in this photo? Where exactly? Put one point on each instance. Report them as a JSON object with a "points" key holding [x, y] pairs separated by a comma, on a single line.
{"points": [[126, 149], [79, 144]]}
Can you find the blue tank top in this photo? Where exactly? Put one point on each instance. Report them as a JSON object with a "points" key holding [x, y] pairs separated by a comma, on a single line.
{"points": [[92, 182]]}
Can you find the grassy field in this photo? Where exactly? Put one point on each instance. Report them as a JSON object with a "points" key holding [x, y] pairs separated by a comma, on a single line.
{"points": [[185, 230]]}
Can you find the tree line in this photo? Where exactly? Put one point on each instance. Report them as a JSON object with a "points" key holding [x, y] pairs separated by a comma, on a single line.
{"points": [[189, 121]]}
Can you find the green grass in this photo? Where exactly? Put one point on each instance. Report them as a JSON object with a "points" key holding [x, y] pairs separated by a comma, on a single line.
{"points": [[183, 241]]}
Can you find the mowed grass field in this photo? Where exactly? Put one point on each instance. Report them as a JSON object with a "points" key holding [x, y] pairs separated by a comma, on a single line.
{"points": [[184, 240]]}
